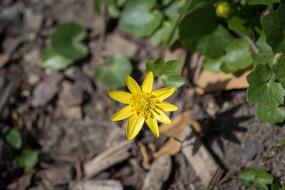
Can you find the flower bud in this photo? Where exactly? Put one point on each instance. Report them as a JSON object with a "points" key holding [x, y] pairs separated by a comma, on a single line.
{"points": [[223, 9]]}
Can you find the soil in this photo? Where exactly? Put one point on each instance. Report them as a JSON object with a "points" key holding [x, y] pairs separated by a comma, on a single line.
{"points": [[66, 115]]}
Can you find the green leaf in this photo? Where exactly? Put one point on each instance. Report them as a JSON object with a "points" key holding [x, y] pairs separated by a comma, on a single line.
{"points": [[274, 28], [172, 10], [196, 25], [169, 71], [113, 9], [162, 34], [52, 60], [214, 44], [28, 159], [238, 56], [265, 54], [115, 72], [172, 80], [213, 64], [255, 177], [278, 67], [260, 75], [238, 24], [139, 18], [14, 138], [270, 114], [66, 41], [262, 2], [267, 94]]}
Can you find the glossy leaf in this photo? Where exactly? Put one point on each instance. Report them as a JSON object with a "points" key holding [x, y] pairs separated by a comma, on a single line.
{"points": [[139, 18], [213, 64], [13, 138], [262, 2], [260, 75], [28, 159], [270, 114], [278, 67], [169, 71], [52, 60], [274, 28], [214, 44], [267, 94], [255, 177], [265, 54], [238, 24], [238, 56], [66, 41], [161, 35], [191, 29], [115, 72]]}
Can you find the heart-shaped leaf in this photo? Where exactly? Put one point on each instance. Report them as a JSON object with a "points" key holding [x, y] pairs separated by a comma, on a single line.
{"points": [[267, 94], [115, 71], [238, 56], [53, 60], [274, 28], [139, 18], [66, 41], [28, 159]]}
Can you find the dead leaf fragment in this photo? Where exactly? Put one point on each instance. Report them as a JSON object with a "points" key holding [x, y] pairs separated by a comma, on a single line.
{"points": [[209, 81], [145, 156], [175, 128], [171, 147]]}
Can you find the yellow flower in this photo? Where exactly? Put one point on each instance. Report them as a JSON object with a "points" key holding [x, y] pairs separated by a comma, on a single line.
{"points": [[144, 104]]}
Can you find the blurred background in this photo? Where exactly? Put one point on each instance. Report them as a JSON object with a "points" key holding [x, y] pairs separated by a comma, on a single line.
{"points": [[58, 61]]}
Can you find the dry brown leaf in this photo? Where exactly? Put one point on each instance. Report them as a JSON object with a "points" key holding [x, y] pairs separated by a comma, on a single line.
{"points": [[175, 128], [145, 156], [209, 81], [171, 147]]}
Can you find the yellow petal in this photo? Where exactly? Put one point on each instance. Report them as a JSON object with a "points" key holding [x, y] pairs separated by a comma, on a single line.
{"points": [[134, 126], [133, 85], [163, 93], [161, 116], [152, 125], [165, 106], [123, 113], [148, 82], [121, 96]]}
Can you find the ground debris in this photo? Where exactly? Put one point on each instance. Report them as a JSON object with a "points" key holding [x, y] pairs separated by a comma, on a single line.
{"points": [[97, 185], [209, 81], [108, 158], [46, 90], [22, 183], [158, 174], [56, 176], [115, 43]]}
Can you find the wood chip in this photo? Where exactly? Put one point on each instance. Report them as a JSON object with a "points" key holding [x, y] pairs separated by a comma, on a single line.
{"points": [[171, 147], [202, 161], [97, 185], [107, 159], [158, 174], [209, 81]]}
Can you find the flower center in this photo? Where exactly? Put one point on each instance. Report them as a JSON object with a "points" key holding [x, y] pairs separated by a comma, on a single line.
{"points": [[143, 103]]}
